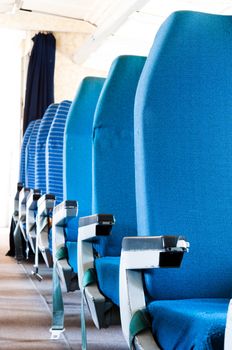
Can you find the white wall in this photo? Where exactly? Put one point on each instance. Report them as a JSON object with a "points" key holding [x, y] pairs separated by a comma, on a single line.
{"points": [[10, 111]]}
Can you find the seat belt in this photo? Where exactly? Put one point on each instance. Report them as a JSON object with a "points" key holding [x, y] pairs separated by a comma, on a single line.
{"points": [[89, 277], [57, 298]]}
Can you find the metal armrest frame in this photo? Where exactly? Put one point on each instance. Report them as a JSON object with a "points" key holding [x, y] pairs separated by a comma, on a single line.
{"points": [[31, 209], [139, 253], [20, 219], [62, 213], [45, 207], [16, 202], [23, 195], [102, 310]]}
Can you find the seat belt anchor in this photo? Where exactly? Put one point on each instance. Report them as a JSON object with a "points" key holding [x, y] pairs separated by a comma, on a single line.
{"points": [[56, 333]]}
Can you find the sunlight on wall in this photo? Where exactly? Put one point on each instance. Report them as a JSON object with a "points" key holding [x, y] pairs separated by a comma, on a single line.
{"points": [[10, 92]]}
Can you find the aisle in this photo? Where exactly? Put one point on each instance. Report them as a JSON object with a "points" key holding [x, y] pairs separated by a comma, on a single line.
{"points": [[25, 314]]}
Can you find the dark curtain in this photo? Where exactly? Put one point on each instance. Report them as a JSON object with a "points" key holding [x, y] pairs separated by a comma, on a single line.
{"points": [[40, 78]]}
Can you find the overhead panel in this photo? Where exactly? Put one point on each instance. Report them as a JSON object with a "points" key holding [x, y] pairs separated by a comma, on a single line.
{"points": [[93, 11], [136, 34], [118, 13]]}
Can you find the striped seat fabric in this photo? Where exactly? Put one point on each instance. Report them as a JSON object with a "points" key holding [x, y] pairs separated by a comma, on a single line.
{"points": [[30, 157], [40, 162], [26, 138], [54, 152]]}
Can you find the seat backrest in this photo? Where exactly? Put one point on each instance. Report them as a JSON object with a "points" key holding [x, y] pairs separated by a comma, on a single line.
{"points": [[78, 149], [54, 152], [30, 157], [113, 151], [183, 144], [40, 162], [26, 137]]}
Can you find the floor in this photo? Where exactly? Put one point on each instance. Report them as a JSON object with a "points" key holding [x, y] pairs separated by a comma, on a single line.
{"points": [[25, 311]]}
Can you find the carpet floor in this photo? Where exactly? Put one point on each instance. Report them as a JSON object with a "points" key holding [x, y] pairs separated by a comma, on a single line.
{"points": [[25, 311]]}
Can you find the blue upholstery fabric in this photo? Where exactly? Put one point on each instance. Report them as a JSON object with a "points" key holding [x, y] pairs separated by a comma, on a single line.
{"points": [[23, 151], [108, 276], [78, 149], [30, 157], [113, 152], [183, 150], [197, 324], [54, 152], [40, 162]]}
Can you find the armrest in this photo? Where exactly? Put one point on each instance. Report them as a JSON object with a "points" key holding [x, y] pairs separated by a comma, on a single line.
{"points": [[143, 252], [91, 227], [61, 215], [16, 199], [31, 208], [64, 212], [94, 226], [45, 204], [140, 253], [32, 199], [23, 194], [19, 188]]}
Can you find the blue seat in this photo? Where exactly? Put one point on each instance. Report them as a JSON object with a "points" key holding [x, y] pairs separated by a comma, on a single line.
{"points": [[113, 186], [40, 160], [30, 157], [21, 182], [54, 152], [54, 182], [20, 229], [26, 138], [40, 173], [77, 185], [183, 148], [77, 172], [78, 156]]}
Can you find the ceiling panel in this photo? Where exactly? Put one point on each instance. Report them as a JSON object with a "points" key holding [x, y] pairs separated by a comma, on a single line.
{"points": [[92, 11], [136, 35], [112, 27]]}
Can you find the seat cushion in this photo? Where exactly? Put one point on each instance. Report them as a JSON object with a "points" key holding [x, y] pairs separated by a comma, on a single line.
{"points": [[108, 277], [72, 254], [197, 324]]}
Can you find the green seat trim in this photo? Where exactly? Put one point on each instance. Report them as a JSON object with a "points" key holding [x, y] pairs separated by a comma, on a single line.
{"points": [[62, 253], [89, 277], [139, 322]]}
